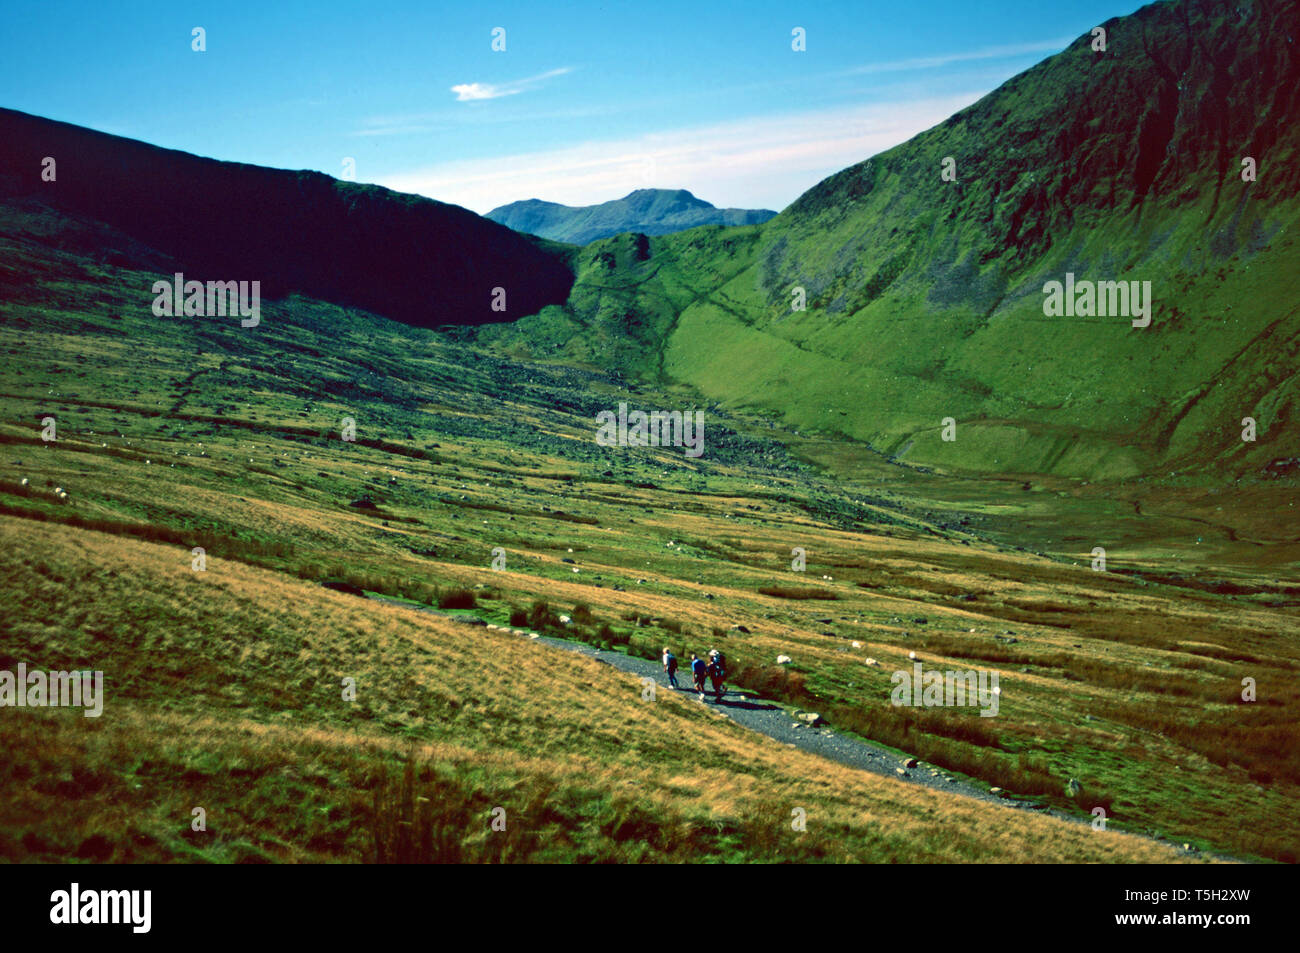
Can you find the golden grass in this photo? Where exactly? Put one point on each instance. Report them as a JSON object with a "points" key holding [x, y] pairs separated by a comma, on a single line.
{"points": [[223, 692]]}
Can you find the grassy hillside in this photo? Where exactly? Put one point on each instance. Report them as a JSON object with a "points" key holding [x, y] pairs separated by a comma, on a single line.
{"points": [[224, 695], [648, 211], [224, 687], [925, 296]]}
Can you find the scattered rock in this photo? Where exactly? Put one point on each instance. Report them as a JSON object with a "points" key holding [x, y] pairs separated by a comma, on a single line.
{"points": [[998, 791], [901, 773], [783, 660], [910, 763]]}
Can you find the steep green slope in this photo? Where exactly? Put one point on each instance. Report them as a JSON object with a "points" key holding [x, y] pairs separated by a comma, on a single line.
{"points": [[649, 211], [925, 297], [404, 256]]}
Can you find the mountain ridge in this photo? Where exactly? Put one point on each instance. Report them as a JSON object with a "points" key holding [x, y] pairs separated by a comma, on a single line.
{"points": [[646, 211], [924, 297], [405, 256]]}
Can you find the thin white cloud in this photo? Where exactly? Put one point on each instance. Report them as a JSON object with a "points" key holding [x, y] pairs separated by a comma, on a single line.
{"points": [[760, 162], [470, 92], [988, 53]]}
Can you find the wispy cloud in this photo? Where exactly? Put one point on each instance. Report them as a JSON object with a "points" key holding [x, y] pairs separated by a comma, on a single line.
{"points": [[946, 59], [765, 161], [470, 92]]}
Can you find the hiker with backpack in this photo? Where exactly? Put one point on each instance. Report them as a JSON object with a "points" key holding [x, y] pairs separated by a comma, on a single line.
{"points": [[698, 671], [716, 670], [670, 666]]}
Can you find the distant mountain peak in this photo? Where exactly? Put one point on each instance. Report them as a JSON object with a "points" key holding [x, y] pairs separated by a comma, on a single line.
{"points": [[650, 211]]}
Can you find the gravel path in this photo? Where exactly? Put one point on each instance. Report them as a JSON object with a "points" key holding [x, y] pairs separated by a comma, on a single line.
{"points": [[777, 722]]}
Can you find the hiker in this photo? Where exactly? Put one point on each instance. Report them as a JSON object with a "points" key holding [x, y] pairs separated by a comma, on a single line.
{"points": [[697, 673], [716, 673], [670, 666]]}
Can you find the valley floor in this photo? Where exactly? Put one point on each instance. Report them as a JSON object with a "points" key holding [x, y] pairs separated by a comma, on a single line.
{"points": [[474, 483]]}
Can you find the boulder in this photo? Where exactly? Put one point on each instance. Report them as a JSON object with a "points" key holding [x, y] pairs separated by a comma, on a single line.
{"points": [[783, 660]]}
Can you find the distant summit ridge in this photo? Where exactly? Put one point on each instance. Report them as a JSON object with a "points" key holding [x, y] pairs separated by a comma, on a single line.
{"points": [[649, 211]]}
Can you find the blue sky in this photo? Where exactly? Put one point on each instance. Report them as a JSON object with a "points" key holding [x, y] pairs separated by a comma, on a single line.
{"points": [[587, 102]]}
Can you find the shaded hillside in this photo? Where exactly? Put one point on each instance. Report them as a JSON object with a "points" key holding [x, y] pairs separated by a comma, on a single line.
{"points": [[404, 256], [925, 296], [648, 211]]}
